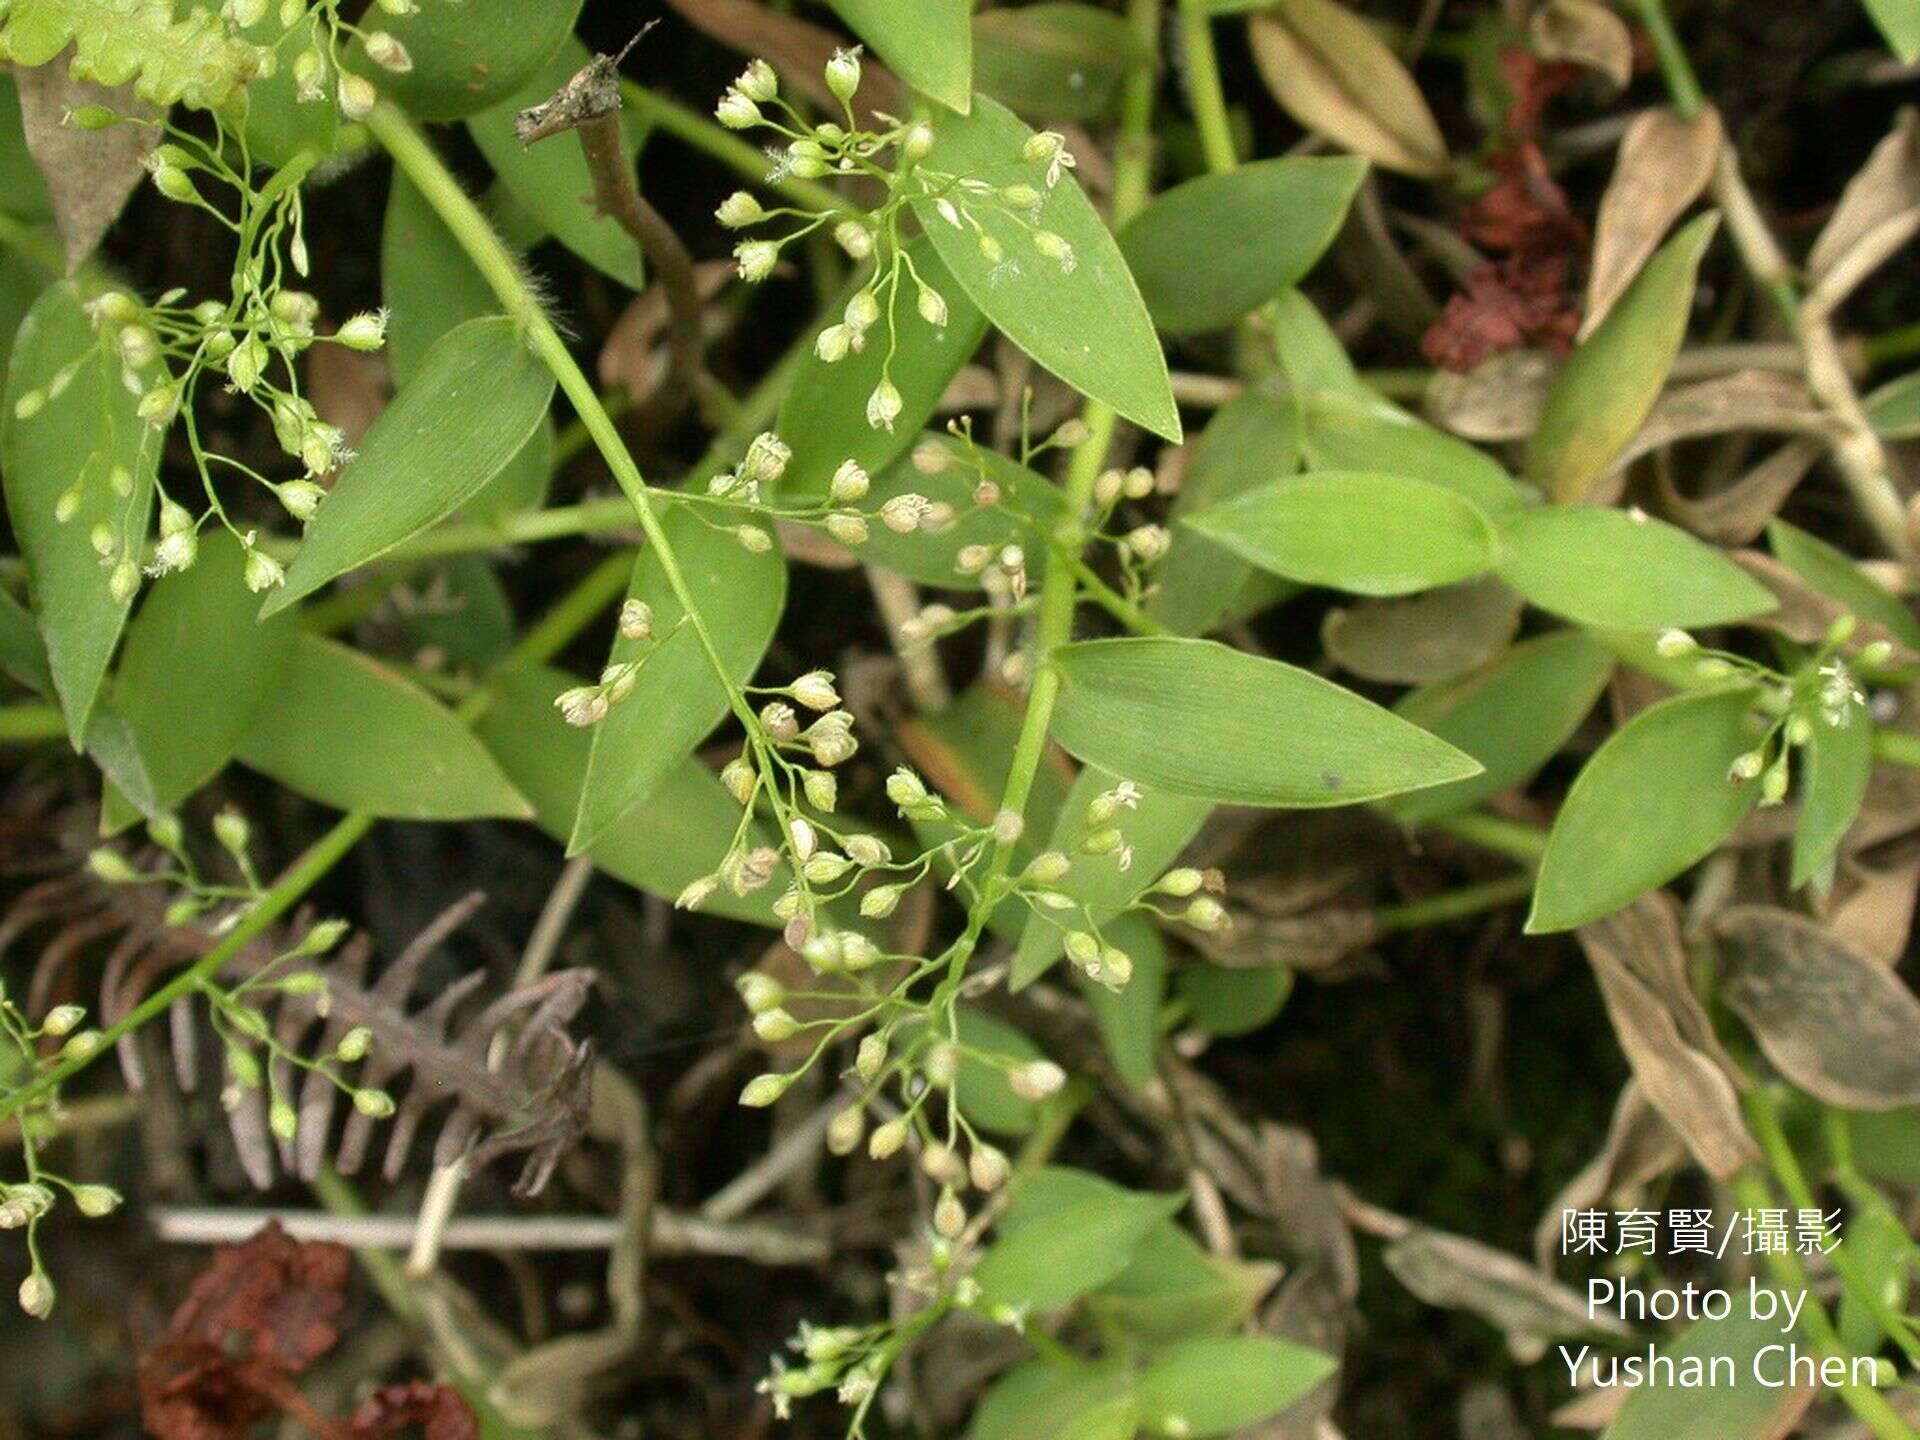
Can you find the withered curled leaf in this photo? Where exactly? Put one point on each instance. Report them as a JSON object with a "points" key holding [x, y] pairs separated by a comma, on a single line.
{"points": [[1663, 165], [1336, 77], [1841, 1027]]}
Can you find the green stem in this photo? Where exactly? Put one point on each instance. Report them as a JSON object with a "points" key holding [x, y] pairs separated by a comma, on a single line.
{"points": [[1512, 838], [411, 151], [31, 244], [30, 722], [1752, 1192], [1764, 1120], [1677, 70], [1205, 97], [1468, 900]]}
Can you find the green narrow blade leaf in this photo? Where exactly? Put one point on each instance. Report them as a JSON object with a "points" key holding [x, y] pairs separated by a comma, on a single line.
{"points": [[678, 699], [23, 654], [1217, 1383], [471, 55], [1614, 570], [1653, 800], [1354, 429], [1200, 584], [1512, 716], [1829, 571], [1082, 319], [1233, 1002], [928, 44], [74, 445], [1157, 829], [1372, 534], [1129, 1018], [1056, 60], [823, 416], [196, 667], [1210, 251], [1736, 1406], [1836, 764], [1197, 718], [346, 731], [1899, 22], [1055, 1259], [477, 400], [550, 179], [1615, 375], [1048, 1400], [679, 834]]}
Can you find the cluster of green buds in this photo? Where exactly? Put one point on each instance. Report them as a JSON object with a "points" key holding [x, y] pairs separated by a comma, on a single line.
{"points": [[895, 155], [27, 1052], [848, 1360], [585, 705], [1826, 691], [318, 74]]}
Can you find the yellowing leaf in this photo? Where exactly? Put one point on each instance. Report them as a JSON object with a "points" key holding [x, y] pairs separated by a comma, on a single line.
{"points": [[1339, 79]]}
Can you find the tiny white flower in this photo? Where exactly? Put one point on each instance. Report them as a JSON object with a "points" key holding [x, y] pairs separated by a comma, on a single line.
{"points": [[843, 74], [884, 406], [738, 210], [850, 483], [758, 82], [736, 112], [756, 259]]}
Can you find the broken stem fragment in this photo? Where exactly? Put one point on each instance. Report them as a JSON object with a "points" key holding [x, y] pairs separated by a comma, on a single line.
{"points": [[589, 105]]}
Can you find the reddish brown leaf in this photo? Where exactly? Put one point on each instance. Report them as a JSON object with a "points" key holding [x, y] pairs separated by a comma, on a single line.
{"points": [[437, 1411]]}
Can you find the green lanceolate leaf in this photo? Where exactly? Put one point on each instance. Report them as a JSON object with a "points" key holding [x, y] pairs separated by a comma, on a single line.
{"points": [[1836, 763], [1252, 439], [196, 668], [1057, 1257], [1829, 571], [1080, 315], [1216, 1383], [23, 654], [1129, 1018], [1233, 1002], [471, 55], [1047, 1400], [550, 179], [1157, 829], [681, 833], [1622, 571], [1615, 375], [1739, 1407], [1654, 799], [677, 697], [1894, 409], [1208, 252], [346, 731], [823, 416], [1899, 22], [1354, 429], [980, 1085], [478, 398], [279, 124], [86, 442], [1372, 534], [928, 44], [1512, 716], [1055, 61], [1197, 718]]}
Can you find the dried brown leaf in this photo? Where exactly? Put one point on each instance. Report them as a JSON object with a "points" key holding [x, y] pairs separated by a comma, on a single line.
{"points": [[1334, 75], [1423, 639], [89, 173], [1640, 1146], [1803, 613], [1873, 910], [1764, 400], [1310, 942], [1840, 1026], [1584, 33], [1640, 963], [1878, 212], [1736, 514], [633, 358], [348, 387], [1456, 1273], [1663, 165], [1498, 399]]}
